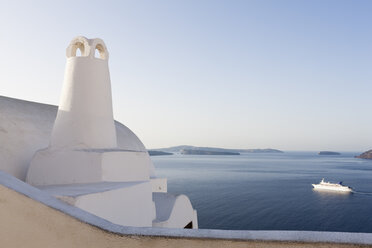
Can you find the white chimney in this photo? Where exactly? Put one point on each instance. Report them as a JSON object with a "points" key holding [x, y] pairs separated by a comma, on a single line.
{"points": [[85, 116]]}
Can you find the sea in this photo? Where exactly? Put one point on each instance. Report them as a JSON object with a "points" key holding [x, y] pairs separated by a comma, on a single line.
{"points": [[272, 191]]}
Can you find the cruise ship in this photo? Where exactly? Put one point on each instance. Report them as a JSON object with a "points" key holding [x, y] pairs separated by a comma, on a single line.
{"points": [[327, 186]]}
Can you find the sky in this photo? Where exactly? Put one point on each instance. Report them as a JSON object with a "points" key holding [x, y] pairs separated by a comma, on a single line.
{"points": [[290, 75]]}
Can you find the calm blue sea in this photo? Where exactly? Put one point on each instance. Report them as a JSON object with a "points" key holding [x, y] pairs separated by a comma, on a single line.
{"points": [[272, 191]]}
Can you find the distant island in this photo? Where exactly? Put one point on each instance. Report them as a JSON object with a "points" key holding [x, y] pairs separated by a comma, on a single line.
{"points": [[184, 149], [158, 153], [365, 155], [328, 153], [267, 150], [201, 152]]}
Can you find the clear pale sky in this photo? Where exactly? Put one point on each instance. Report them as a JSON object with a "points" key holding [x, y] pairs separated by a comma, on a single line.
{"points": [[291, 75]]}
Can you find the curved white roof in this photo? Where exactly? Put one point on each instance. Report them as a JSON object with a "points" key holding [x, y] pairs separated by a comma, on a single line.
{"points": [[127, 140]]}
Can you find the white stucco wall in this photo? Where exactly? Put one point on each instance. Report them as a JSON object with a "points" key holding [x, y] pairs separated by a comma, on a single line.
{"points": [[173, 211], [25, 127], [130, 206], [125, 166], [159, 185], [128, 203], [50, 167]]}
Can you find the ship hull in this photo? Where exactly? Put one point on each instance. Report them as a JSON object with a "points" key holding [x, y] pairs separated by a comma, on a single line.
{"points": [[342, 189]]}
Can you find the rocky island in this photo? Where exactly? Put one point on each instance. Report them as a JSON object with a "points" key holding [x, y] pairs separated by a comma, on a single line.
{"points": [[202, 152], [328, 153], [178, 149], [365, 155], [158, 153]]}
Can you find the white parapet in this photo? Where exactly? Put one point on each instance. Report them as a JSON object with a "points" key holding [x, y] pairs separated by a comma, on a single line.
{"points": [[174, 211], [50, 167]]}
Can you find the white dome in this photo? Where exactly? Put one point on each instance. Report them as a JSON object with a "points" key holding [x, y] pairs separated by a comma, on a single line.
{"points": [[127, 140]]}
